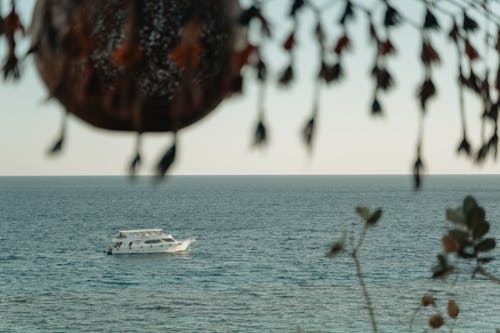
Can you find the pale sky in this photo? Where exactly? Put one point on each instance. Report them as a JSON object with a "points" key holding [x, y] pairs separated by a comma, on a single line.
{"points": [[348, 140]]}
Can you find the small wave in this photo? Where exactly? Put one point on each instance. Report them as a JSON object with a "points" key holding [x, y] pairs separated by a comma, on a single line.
{"points": [[9, 258], [121, 283]]}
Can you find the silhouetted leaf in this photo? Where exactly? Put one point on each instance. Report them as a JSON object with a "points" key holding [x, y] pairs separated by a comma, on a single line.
{"points": [[297, 4], [348, 13], [134, 164], [287, 76], [391, 17], [261, 70], [247, 15], [260, 135], [464, 147], [383, 77], [167, 160], [57, 146], [373, 33], [308, 132], [331, 73], [426, 91], [486, 245], [376, 107], [10, 68], [469, 24], [417, 172], [454, 33], [493, 144], [431, 21], [374, 217], [482, 153]]}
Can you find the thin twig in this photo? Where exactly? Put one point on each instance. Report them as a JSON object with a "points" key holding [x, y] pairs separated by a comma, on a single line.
{"points": [[366, 295], [481, 270]]}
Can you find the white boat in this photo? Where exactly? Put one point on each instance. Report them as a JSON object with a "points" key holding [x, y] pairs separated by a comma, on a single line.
{"points": [[146, 241]]}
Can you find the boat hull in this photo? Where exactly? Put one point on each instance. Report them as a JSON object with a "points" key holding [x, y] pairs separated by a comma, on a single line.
{"points": [[180, 246]]}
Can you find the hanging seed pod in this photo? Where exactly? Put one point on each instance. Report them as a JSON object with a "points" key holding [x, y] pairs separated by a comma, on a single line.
{"points": [[343, 44], [383, 78], [289, 42], [386, 48], [429, 55], [471, 51]]}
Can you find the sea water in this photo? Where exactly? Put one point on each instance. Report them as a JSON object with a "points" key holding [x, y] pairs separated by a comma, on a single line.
{"points": [[258, 264]]}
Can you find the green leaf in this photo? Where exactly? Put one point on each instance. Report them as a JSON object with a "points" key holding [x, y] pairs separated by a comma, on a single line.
{"points": [[474, 217], [375, 217], [455, 215], [364, 212], [486, 245], [480, 230], [469, 203]]}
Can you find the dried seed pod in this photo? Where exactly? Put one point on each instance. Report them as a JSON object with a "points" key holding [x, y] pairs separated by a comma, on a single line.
{"points": [[453, 309], [436, 321], [427, 300], [343, 44], [429, 55], [449, 244]]}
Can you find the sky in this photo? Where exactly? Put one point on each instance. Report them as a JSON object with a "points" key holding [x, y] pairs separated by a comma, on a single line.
{"points": [[348, 140]]}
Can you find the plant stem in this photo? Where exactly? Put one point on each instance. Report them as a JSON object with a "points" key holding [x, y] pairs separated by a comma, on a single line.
{"points": [[368, 301], [481, 270]]}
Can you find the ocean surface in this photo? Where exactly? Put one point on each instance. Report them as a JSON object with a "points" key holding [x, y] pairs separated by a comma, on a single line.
{"points": [[258, 264]]}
